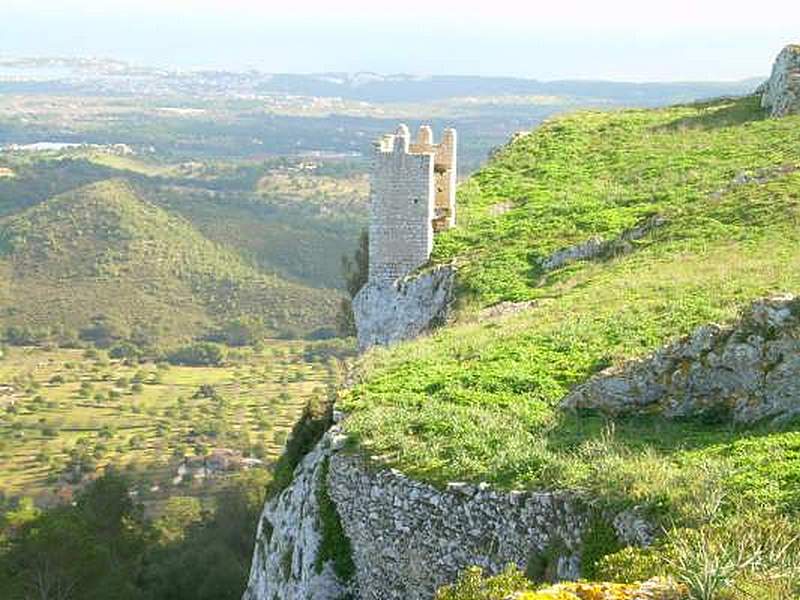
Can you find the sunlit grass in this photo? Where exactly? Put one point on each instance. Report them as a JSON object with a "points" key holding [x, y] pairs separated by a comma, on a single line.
{"points": [[478, 400]]}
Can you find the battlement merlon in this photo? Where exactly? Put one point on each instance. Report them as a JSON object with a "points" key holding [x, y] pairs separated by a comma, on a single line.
{"points": [[400, 142]]}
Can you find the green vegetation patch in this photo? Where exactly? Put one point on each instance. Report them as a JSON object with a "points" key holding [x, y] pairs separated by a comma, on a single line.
{"points": [[478, 400], [102, 262], [334, 544]]}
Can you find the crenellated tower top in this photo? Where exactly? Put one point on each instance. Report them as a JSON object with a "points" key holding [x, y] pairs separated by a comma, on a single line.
{"points": [[412, 197]]}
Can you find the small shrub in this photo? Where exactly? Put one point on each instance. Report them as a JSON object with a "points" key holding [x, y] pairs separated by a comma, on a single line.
{"points": [[198, 355], [471, 585], [316, 419], [599, 540], [207, 391], [630, 564], [125, 351], [706, 567]]}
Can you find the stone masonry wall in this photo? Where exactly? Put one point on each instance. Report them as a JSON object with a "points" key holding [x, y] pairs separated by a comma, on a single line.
{"points": [[409, 538], [401, 209], [412, 194], [444, 170]]}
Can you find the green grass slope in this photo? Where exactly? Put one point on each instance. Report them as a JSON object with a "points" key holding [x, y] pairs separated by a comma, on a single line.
{"points": [[478, 400], [101, 250]]}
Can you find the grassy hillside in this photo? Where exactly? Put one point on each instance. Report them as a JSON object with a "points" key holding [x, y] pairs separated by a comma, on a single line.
{"points": [[478, 400], [102, 253]]}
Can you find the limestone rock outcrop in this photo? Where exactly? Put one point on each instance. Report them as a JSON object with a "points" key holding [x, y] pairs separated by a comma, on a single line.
{"points": [[746, 372], [285, 563], [781, 92], [595, 248], [389, 312]]}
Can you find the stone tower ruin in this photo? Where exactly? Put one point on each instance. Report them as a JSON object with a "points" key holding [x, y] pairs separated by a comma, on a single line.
{"points": [[413, 196]]}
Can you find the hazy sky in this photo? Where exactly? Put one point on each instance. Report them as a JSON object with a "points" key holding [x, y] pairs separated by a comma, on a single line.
{"points": [[608, 39]]}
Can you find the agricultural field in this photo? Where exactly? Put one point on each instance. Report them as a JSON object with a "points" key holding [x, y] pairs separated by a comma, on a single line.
{"points": [[133, 164], [67, 414]]}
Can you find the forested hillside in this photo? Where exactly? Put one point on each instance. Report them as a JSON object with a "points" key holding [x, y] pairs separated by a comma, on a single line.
{"points": [[101, 263], [285, 216]]}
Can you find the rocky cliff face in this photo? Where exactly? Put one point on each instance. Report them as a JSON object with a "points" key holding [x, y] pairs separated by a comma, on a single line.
{"points": [[746, 372], [781, 92], [386, 313], [288, 563]]}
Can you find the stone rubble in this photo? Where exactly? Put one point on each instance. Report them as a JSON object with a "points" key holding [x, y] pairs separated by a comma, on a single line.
{"points": [[505, 309], [759, 177]]}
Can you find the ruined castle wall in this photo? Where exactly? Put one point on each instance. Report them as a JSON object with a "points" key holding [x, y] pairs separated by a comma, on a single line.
{"points": [[408, 538], [412, 197], [444, 172], [402, 209], [444, 168]]}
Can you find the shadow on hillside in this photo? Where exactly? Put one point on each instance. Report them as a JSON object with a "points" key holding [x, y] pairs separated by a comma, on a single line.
{"points": [[718, 113]]}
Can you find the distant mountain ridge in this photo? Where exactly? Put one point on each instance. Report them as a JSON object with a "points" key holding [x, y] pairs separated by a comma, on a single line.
{"points": [[372, 87], [82, 74]]}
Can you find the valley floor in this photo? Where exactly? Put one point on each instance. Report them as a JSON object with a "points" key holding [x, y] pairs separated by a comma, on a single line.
{"points": [[65, 413]]}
